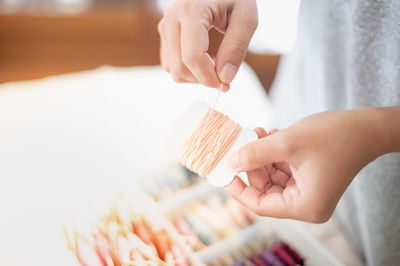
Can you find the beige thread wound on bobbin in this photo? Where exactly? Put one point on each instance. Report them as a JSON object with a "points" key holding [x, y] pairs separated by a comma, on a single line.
{"points": [[209, 143]]}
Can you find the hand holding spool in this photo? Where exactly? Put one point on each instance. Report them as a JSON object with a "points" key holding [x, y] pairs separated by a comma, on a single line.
{"points": [[300, 172]]}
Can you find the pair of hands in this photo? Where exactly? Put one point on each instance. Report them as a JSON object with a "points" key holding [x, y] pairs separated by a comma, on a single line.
{"points": [[184, 39], [299, 172]]}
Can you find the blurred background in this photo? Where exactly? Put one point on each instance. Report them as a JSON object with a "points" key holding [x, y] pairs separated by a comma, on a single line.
{"points": [[47, 37]]}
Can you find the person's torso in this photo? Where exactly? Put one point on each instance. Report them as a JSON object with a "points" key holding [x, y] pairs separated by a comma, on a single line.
{"points": [[348, 56]]}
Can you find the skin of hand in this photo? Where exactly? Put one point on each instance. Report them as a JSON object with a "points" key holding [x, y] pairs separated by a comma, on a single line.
{"points": [[184, 39], [302, 171]]}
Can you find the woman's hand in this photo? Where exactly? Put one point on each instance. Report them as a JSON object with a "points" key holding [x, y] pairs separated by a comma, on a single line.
{"points": [[184, 39], [302, 171]]}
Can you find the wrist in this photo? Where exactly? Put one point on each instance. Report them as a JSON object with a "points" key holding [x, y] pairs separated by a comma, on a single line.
{"points": [[385, 125]]}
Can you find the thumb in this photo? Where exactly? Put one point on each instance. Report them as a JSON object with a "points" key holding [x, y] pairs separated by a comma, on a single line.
{"points": [[259, 153], [233, 48]]}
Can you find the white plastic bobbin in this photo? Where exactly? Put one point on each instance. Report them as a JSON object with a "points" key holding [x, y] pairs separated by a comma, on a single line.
{"points": [[184, 128]]}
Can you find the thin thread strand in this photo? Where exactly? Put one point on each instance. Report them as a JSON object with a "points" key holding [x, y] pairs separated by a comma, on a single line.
{"points": [[216, 99]]}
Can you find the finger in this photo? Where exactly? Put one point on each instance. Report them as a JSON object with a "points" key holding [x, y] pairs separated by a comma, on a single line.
{"points": [[273, 189], [194, 42], [284, 167], [224, 87], [272, 131], [261, 133], [234, 45], [179, 79], [268, 205], [291, 182], [176, 66], [259, 179], [259, 153], [279, 177], [163, 49]]}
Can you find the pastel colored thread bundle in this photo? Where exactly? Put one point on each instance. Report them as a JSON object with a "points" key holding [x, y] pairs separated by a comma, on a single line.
{"points": [[214, 136]]}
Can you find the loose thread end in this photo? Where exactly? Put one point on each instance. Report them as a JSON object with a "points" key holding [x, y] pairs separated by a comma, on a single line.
{"points": [[218, 94]]}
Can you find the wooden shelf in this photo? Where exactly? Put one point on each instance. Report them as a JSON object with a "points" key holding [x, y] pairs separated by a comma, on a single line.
{"points": [[37, 46]]}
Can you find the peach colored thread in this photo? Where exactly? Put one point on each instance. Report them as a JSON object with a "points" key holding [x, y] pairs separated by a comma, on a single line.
{"points": [[219, 93], [209, 143]]}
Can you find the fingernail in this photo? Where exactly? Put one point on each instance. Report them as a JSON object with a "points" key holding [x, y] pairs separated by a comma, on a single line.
{"points": [[234, 162], [227, 73], [225, 87]]}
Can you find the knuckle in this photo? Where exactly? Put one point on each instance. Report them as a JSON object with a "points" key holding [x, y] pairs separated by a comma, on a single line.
{"points": [[189, 58], [188, 6], [179, 69], [208, 80], [237, 47], [249, 15], [160, 26], [248, 156], [251, 21], [252, 207], [177, 79], [287, 145], [168, 10], [209, 83], [164, 64], [259, 211]]}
